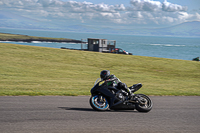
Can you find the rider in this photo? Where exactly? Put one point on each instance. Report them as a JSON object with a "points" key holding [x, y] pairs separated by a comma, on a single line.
{"points": [[196, 59], [111, 80]]}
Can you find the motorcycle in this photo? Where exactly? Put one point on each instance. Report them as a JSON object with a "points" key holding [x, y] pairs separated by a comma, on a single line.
{"points": [[105, 97]]}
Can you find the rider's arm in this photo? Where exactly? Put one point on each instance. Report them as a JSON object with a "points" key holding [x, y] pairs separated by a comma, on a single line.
{"points": [[112, 80]]}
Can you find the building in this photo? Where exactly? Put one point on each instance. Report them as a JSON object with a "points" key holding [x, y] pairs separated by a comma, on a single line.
{"points": [[100, 45]]}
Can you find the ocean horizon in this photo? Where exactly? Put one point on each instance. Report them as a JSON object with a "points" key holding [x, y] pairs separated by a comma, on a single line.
{"points": [[184, 48]]}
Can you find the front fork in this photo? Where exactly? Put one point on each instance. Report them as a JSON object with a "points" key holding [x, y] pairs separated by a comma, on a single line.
{"points": [[101, 99]]}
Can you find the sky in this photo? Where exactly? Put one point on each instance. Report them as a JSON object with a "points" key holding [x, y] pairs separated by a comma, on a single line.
{"points": [[105, 13]]}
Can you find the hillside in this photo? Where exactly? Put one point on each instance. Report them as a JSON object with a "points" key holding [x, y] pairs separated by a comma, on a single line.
{"points": [[26, 38], [184, 29], [28, 70]]}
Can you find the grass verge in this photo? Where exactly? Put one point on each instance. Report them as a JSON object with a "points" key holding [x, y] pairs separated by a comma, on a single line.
{"points": [[26, 38], [28, 70]]}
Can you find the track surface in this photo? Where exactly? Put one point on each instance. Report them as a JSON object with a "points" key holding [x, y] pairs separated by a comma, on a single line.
{"points": [[66, 114]]}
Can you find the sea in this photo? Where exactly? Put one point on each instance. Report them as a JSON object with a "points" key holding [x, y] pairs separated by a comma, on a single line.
{"points": [[183, 48]]}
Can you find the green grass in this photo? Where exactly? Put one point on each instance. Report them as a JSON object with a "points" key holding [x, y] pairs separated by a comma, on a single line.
{"points": [[13, 37], [28, 70]]}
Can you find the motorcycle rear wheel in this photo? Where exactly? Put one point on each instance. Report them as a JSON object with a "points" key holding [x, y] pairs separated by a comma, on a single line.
{"points": [[145, 104], [99, 103]]}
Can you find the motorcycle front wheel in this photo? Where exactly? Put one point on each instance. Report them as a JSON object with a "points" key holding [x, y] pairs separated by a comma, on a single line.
{"points": [[99, 103], [144, 103]]}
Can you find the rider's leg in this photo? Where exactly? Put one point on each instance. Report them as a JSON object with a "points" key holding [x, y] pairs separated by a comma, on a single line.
{"points": [[124, 87]]}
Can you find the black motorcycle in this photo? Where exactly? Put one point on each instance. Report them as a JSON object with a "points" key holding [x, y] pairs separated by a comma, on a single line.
{"points": [[108, 97]]}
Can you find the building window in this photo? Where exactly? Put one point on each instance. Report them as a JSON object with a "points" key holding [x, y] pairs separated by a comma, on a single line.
{"points": [[95, 42]]}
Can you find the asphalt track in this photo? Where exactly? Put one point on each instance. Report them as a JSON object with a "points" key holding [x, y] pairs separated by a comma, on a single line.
{"points": [[68, 114]]}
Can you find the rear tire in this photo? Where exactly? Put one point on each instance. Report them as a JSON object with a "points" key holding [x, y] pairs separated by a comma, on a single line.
{"points": [[145, 105], [99, 104]]}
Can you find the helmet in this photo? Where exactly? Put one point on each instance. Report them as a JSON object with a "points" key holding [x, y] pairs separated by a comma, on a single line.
{"points": [[105, 74]]}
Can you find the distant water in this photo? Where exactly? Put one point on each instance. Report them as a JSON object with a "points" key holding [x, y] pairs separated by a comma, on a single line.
{"points": [[185, 48]]}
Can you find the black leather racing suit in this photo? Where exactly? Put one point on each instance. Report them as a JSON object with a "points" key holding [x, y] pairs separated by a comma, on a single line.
{"points": [[114, 81]]}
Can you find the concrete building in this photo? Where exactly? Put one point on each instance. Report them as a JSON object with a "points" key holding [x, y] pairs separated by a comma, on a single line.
{"points": [[100, 45]]}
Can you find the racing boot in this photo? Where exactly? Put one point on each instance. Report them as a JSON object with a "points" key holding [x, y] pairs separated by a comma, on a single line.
{"points": [[130, 94]]}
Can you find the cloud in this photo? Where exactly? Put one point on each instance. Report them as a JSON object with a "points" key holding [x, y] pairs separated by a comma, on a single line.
{"points": [[141, 12], [150, 5], [145, 5], [169, 7]]}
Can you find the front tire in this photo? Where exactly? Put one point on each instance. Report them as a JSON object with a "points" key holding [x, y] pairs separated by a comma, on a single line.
{"points": [[145, 104], [99, 103]]}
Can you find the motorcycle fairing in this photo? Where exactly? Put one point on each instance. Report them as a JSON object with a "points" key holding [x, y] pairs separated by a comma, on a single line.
{"points": [[113, 100]]}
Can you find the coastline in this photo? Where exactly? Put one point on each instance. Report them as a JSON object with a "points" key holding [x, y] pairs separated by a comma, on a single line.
{"points": [[26, 38], [164, 47]]}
